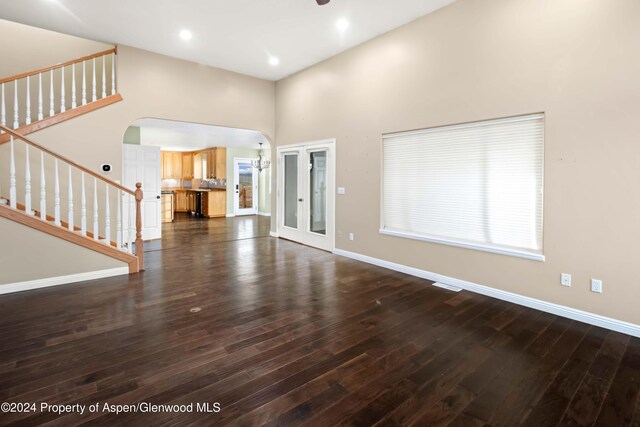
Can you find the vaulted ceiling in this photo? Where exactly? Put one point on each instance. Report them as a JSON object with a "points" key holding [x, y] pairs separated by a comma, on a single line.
{"points": [[270, 39]]}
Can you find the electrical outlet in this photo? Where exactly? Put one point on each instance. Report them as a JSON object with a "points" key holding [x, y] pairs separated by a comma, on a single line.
{"points": [[341, 190], [351, 237], [596, 286], [565, 279], [339, 234]]}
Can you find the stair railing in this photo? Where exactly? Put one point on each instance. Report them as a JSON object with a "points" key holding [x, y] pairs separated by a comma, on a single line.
{"points": [[128, 214], [53, 93]]}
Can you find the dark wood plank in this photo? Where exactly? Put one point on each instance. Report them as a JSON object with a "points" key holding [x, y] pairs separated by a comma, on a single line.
{"points": [[289, 335]]}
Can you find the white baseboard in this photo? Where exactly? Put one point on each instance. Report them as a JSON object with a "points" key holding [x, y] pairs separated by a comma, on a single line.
{"points": [[230, 215], [273, 234], [62, 280], [559, 310], [264, 213]]}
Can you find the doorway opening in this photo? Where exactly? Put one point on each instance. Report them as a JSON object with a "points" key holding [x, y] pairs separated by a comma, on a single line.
{"points": [[188, 177]]}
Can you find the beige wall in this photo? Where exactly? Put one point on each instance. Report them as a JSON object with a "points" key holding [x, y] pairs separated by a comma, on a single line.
{"points": [[26, 48], [576, 61], [35, 255]]}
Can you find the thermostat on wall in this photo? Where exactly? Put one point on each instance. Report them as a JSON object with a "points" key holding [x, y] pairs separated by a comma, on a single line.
{"points": [[105, 168]]}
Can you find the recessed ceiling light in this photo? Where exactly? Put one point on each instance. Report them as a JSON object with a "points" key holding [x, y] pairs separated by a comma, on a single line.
{"points": [[342, 24], [186, 35], [274, 61]]}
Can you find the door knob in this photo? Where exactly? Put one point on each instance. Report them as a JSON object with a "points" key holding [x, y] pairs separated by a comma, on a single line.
{"points": [[157, 197], [301, 200]]}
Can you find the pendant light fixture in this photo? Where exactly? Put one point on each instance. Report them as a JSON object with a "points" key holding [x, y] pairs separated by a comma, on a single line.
{"points": [[260, 163]]}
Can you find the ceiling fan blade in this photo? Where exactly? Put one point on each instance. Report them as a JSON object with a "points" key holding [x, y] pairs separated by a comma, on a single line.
{"points": [[322, 2]]}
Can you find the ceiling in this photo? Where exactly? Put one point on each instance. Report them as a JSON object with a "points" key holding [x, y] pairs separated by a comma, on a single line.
{"points": [[237, 35], [182, 136]]}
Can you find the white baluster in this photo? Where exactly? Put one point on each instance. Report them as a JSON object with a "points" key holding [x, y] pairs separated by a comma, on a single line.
{"points": [[73, 86], [104, 77], [95, 209], [56, 197], [40, 115], [16, 117], [113, 74], [28, 105], [52, 110], [70, 210], [93, 82], [3, 110], [83, 210], [119, 220], [84, 82], [12, 176], [63, 108], [130, 210], [27, 181], [107, 218], [43, 189]]}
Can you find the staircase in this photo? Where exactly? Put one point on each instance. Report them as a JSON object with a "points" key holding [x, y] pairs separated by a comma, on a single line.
{"points": [[52, 95], [72, 202]]}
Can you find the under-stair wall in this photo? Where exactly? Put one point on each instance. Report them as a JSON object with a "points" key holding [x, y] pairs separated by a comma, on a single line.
{"points": [[37, 260]]}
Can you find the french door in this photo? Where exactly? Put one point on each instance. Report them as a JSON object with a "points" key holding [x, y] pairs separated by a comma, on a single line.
{"points": [[306, 197]]}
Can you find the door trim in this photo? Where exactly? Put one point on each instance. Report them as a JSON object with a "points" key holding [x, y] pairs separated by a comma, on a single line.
{"points": [[331, 142]]}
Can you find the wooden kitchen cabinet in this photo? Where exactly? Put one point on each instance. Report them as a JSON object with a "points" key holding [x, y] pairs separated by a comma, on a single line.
{"points": [[187, 165], [181, 201], [171, 165], [197, 165], [191, 201], [221, 163], [211, 163], [214, 163], [214, 203], [167, 207]]}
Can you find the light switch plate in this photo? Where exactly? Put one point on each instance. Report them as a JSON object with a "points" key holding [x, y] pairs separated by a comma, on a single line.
{"points": [[341, 190], [596, 286]]}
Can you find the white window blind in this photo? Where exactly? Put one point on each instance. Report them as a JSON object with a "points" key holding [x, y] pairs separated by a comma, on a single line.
{"points": [[477, 185]]}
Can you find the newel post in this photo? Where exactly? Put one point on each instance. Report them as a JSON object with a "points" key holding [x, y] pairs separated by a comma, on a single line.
{"points": [[139, 243]]}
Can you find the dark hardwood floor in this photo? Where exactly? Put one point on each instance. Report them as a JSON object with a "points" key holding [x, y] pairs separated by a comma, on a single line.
{"points": [[282, 334]]}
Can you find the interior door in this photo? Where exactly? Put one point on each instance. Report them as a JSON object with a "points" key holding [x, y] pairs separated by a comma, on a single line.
{"points": [[246, 187], [306, 197], [142, 164]]}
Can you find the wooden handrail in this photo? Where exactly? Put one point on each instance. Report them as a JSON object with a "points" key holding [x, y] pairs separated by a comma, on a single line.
{"points": [[66, 160], [55, 67]]}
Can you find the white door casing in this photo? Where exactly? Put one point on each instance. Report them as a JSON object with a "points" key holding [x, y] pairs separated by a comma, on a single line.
{"points": [[142, 164], [306, 193]]}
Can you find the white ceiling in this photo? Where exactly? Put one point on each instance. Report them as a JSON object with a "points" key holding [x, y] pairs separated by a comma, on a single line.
{"points": [[237, 35], [182, 136]]}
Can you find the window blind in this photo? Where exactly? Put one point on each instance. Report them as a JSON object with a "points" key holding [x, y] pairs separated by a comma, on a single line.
{"points": [[477, 185]]}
